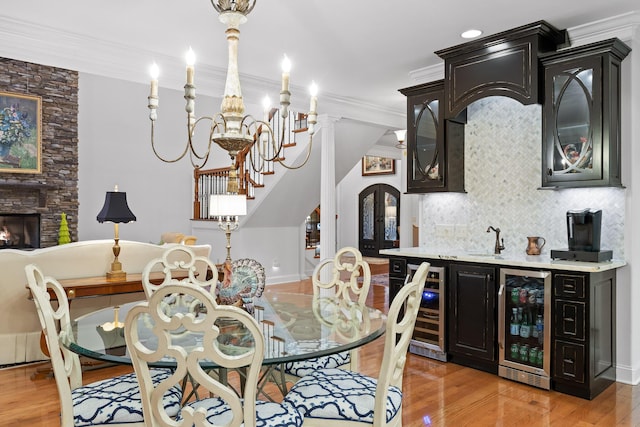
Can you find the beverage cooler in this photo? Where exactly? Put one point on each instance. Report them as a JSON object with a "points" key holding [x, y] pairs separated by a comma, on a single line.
{"points": [[524, 333], [429, 333]]}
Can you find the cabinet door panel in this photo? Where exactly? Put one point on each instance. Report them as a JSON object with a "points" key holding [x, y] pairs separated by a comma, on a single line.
{"points": [[569, 361], [435, 148], [570, 320], [472, 312], [581, 116]]}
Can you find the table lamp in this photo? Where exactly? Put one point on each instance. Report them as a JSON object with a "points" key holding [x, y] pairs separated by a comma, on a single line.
{"points": [[116, 210], [227, 208]]}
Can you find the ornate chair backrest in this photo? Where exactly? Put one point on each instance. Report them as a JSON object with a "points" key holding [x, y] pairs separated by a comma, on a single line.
{"points": [[174, 263], [397, 337], [56, 323], [344, 288], [347, 319], [207, 336]]}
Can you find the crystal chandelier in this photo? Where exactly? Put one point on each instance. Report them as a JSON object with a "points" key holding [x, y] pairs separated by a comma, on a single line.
{"points": [[230, 128]]}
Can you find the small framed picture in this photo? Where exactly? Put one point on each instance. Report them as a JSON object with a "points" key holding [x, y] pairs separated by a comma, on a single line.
{"points": [[376, 165], [20, 133]]}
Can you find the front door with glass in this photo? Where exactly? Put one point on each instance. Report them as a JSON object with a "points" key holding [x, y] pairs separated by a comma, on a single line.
{"points": [[379, 209]]}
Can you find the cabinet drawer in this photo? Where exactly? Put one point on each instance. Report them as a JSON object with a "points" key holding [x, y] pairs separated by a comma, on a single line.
{"points": [[569, 286], [570, 320], [398, 267], [569, 361]]}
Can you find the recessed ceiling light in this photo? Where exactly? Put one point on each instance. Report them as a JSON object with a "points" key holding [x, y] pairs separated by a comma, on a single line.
{"points": [[470, 34]]}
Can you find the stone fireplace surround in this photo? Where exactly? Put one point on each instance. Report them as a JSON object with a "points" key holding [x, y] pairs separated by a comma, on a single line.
{"points": [[55, 190]]}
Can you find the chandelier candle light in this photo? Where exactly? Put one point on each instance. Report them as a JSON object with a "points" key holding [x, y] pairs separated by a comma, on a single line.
{"points": [[231, 129]]}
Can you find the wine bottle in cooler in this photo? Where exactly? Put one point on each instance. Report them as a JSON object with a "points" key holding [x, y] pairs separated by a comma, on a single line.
{"points": [[540, 328], [514, 327], [525, 326]]}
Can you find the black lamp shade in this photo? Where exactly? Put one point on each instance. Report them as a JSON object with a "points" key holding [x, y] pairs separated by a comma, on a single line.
{"points": [[115, 208]]}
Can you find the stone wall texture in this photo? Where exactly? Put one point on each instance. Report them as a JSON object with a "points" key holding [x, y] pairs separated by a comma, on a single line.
{"points": [[55, 189]]}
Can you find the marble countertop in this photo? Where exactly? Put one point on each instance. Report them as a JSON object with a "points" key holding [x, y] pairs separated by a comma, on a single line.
{"points": [[513, 259]]}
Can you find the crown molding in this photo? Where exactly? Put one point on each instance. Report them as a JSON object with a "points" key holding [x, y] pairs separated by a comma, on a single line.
{"points": [[620, 26], [25, 41]]}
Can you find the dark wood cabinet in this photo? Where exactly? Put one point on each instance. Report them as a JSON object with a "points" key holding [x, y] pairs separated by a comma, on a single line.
{"points": [[379, 213], [503, 64], [583, 336], [581, 116], [397, 276], [435, 146], [582, 321], [472, 316]]}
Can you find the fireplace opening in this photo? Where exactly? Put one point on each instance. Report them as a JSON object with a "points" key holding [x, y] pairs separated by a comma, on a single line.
{"points": [[19, 231]]}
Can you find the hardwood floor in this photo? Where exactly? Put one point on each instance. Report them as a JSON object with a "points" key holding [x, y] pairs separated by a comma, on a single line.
{"points": [[435, 393]]}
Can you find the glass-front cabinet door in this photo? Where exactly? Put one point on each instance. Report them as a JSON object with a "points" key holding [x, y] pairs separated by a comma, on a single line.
{"points": [[581, 116], [379, 207], [434, 146]]}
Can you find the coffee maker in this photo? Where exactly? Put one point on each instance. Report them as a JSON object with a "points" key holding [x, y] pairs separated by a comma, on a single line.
{"points": [[583, 235]]}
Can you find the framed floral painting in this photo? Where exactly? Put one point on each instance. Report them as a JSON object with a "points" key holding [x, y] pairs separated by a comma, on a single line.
{"points": [[20, 133], [376, 165]]}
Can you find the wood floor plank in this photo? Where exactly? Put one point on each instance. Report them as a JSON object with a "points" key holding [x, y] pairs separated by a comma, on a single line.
{"points": [[435, 393]]}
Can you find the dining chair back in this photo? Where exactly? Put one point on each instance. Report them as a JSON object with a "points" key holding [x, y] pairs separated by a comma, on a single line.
{"points": [[223, 334], [349, 279], [175, 262], [110, 402], [347, 268], [348, 398]]}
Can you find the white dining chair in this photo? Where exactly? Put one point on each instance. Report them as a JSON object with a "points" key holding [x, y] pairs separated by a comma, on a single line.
{"points": [[111, 402], [347, 262], [180, 259], [342, 398], [244, 350]]}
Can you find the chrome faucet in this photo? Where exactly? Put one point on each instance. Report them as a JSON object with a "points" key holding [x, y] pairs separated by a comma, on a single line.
{"points": [[499, 243]]}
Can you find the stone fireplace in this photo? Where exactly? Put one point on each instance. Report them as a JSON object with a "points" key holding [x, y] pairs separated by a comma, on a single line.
{"points": [[55, 190], [19, 231]]}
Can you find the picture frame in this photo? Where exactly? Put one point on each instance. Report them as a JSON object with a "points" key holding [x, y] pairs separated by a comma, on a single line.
{"points": [[378, 165], [20, 133]]}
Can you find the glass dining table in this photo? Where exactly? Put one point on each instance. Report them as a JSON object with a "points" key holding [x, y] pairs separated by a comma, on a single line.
{"points": [[296, 327]]}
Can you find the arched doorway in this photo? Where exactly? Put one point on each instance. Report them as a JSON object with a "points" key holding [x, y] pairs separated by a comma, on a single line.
{"points": [[379, 213]]}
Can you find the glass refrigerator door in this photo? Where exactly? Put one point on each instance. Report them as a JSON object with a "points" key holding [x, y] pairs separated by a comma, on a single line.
{"points": [[524, 318]]}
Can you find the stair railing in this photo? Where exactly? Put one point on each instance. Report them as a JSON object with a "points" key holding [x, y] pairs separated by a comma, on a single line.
{"points": [[248, 164]]}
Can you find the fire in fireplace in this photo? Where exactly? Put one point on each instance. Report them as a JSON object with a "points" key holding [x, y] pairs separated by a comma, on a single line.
{"points": [[19, 231]]}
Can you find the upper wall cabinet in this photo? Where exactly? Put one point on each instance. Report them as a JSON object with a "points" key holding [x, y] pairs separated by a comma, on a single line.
{"points": [[504, 64], [581, 116], [435, 146]]}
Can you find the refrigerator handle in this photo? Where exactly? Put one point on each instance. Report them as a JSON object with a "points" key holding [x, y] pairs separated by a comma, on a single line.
{"points": [[501, 307]]}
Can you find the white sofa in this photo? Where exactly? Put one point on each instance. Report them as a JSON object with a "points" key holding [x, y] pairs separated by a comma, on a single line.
{"points": [[19, 326]]}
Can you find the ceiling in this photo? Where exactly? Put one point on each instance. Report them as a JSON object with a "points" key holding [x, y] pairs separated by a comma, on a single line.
{"points": [[358, 51]]}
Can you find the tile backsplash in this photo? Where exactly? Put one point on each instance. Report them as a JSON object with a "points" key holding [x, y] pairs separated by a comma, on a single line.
{"points": [[503, 158]]}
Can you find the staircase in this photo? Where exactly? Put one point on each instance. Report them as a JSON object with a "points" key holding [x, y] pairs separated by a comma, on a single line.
{"points": [[249, 167], [285, 197]]}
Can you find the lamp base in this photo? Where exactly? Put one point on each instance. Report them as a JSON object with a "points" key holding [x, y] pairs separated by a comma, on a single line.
{"points": [[116, 272], [116, 275]]}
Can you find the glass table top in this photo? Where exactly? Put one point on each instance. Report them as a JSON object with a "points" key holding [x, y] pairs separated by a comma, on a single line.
{"points": [[295, 326]]}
